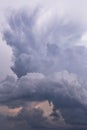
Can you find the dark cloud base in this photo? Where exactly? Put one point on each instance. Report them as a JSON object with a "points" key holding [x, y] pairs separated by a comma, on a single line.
{"points": [[34, 120]]}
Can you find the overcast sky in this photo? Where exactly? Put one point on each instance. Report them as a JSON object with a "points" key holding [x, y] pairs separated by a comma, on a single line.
{"points": [[43, 64]]}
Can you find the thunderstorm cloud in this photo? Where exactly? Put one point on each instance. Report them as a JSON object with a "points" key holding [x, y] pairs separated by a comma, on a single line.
{"points": [[49, 59]]}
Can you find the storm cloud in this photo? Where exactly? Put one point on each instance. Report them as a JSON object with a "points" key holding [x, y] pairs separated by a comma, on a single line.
{"points": [[63, 89], [42, 40], [50, 63]]}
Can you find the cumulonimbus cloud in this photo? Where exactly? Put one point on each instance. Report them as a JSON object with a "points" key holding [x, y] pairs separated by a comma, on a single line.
{"points": [[39, 42], [48, 61], [62, 89]]}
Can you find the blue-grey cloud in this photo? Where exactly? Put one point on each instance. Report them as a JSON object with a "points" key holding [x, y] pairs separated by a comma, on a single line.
{"points": [[63, 89], [27, 119], [49, 62], [37, 46]]}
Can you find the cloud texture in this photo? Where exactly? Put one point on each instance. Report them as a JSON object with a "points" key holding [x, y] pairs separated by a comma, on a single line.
{"points": [[50, 62], [43, 40]]}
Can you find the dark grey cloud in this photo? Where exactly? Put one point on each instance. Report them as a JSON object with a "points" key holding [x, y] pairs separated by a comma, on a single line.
{"points": [[66, 93], [37, 45], [34, 120], [50, 65], [36, 86]]}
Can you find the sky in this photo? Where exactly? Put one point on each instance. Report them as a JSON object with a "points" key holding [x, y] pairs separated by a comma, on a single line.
{"points": [[43, 65]]}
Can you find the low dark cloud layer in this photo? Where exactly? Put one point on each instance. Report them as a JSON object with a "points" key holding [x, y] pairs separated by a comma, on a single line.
{"points": [[27, 119], [66, 94]]}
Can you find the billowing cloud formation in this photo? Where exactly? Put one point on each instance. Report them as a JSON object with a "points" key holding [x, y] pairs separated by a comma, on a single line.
{"points": [[36, 86], [50, 63], [44, 40], [62, 89]]}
